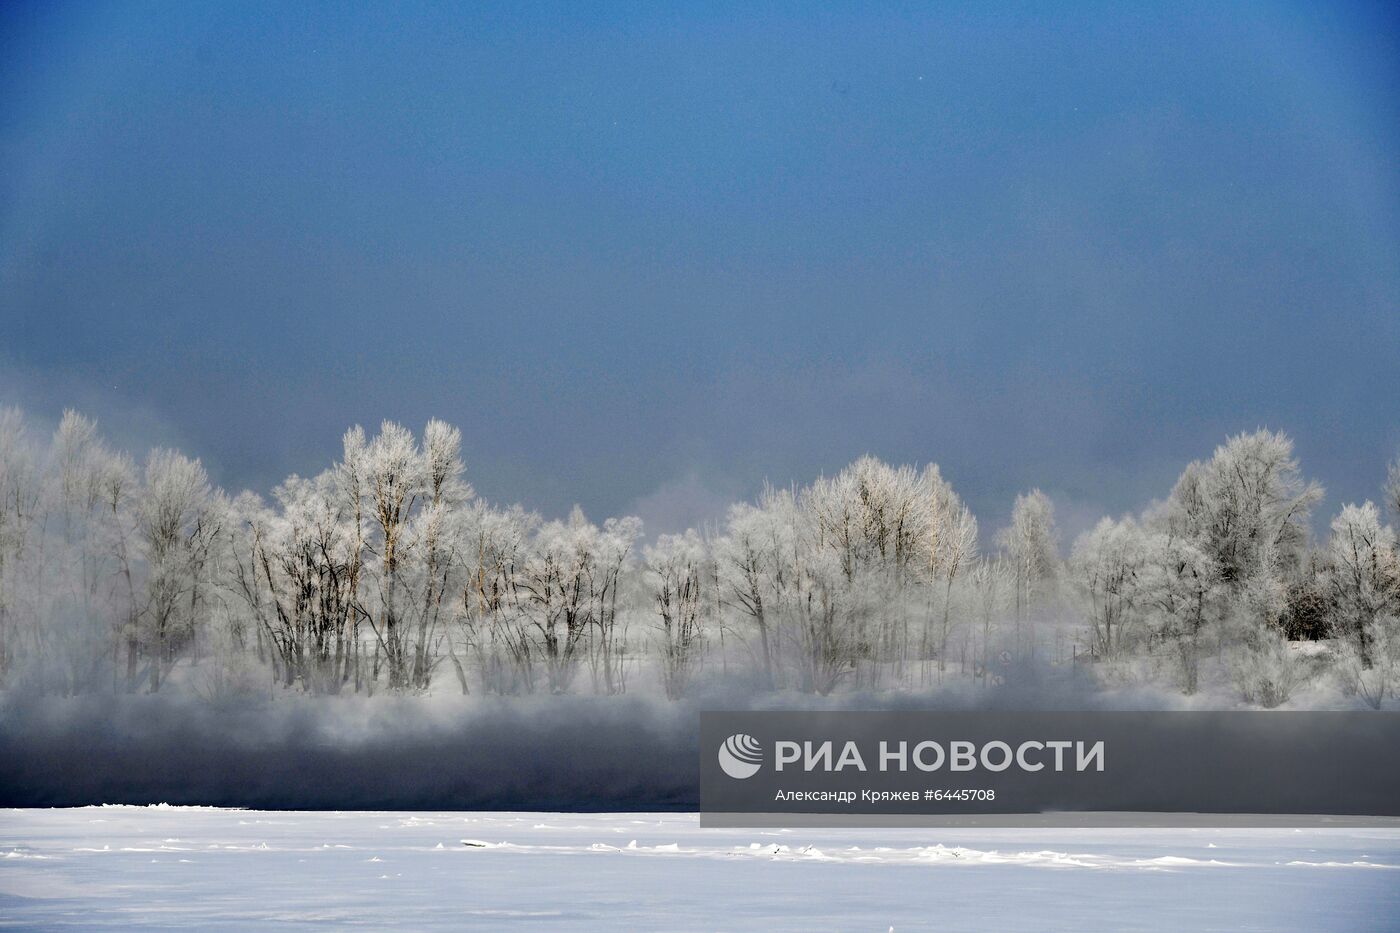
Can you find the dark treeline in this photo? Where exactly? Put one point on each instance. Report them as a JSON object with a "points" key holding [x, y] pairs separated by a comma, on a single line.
{"points": [[387, 574]]}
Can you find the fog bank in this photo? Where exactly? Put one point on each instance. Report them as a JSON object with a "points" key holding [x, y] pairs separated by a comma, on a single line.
{"points": [[529, 753]]}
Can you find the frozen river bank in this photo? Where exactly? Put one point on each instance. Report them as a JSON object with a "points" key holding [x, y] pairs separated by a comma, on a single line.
{"points": [[185, 867]]}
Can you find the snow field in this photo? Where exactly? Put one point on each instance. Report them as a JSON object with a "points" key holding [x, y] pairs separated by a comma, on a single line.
{"points": [[178, 867]]}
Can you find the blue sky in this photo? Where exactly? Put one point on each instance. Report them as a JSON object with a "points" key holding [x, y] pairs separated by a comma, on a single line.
{"points": [[648, 257]]}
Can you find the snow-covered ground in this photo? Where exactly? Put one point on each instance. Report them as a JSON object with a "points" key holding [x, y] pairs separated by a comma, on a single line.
{"points": [[191, 867]]}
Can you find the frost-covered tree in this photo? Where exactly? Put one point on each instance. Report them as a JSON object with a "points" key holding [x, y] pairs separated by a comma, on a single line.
{"points": [[120, 492], [747, 558], [495, 548], [822, 619], [436, 537], [1265, 668], [1264, 665], [949, 549], [1178, 587], [1106, 567], [1246, 510], [613, 560], [1376, 675], [873, 515], [1031, 543], [178, 521], [990, 580], [1248, 498], [785, 565], [848, 579], [678, 564], [393, 480], [566, 595], [21, 497], [1363, 575], [870, 519], [293, 569], [91, 588]]}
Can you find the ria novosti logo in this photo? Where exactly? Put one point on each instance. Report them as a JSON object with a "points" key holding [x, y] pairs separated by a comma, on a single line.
{"points": [[740, 756]]}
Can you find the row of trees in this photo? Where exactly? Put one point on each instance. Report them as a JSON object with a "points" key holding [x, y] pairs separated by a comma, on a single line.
{"points": [[1223, 568], [387, 572]]}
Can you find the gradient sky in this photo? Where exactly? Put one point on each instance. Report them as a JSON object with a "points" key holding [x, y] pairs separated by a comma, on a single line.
{"points": [[648, 257]]}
